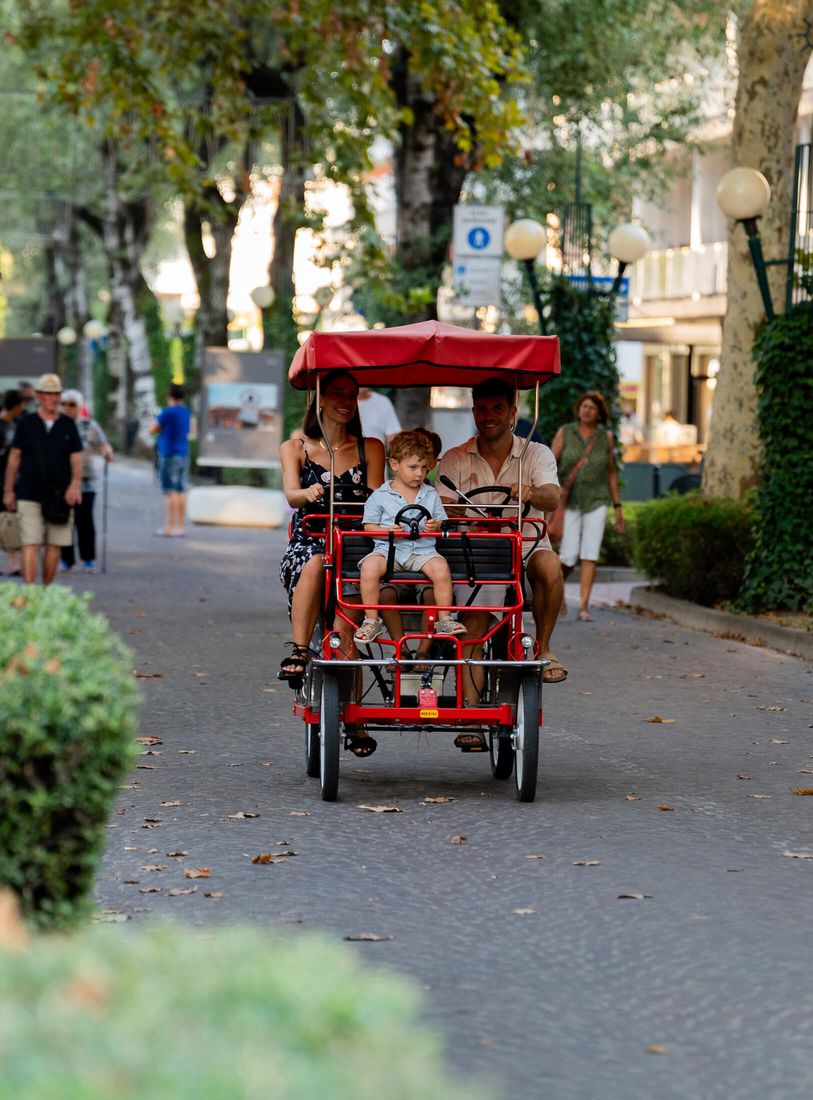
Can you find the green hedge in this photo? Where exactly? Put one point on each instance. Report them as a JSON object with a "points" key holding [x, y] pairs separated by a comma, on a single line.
{"points": [[238, 1014], [779, 571], [695, 547], [619, 550], [67, 719]]}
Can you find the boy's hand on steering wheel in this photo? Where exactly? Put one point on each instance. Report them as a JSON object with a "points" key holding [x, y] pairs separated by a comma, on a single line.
{"points": [[432, 525], [314, 493]]}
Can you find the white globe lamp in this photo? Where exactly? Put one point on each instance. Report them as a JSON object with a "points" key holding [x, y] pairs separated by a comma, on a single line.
{"points": [[628, 243], [66, 336], [743, 194], [525, 239]]}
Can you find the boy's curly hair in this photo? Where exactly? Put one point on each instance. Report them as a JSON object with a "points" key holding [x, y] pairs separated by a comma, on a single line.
{"points": [[435, 441], [405, 444]]}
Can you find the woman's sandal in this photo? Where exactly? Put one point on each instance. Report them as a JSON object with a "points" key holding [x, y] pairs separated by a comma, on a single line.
{"points": [[360, 744], [292, 668], [584, 616]]}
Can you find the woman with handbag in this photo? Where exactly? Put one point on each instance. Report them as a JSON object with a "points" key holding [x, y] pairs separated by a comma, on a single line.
{"points": [[585, 453]]}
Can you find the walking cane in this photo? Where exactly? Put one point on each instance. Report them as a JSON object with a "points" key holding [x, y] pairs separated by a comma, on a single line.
{"points": [[104, 517]]}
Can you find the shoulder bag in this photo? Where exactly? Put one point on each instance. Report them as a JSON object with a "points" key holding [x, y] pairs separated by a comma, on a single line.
{"points": [[556, 523]]}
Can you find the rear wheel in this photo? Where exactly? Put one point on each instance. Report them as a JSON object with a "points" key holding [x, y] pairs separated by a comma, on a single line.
{"points": [[329, 736], [312, 765], [501, 752], [526, 737]]}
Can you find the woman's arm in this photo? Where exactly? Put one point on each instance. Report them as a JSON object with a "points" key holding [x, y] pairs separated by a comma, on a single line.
{"points": [[612, 482], [374, 455], [558, 444], [292, 458]]}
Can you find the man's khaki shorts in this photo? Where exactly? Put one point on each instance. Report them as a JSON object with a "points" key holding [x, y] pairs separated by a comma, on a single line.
{"points": [[34, 531]]}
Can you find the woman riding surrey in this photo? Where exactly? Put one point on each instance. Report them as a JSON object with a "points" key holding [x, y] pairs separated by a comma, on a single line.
{"points": [[358, 468]]}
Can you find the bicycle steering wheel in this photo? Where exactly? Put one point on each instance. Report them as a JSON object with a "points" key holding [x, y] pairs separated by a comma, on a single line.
{"points": [[413, 521], [506, 492]]}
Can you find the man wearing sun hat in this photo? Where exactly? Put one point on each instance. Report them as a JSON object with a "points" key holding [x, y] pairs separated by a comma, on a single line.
{"points": [[44, 480]]}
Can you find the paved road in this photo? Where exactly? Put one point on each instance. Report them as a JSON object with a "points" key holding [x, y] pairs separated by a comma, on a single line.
{"points": [[563, 999]]}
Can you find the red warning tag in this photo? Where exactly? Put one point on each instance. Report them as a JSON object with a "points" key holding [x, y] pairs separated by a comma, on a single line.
{"points": [[427, 697]]}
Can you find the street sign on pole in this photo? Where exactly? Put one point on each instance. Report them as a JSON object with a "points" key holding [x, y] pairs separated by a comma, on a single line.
{"points": [[478, 249], [478, 230]]}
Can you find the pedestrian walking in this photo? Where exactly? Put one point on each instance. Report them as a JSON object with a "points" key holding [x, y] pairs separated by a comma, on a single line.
{"points": [[172, 428], [585, 453], [12, 409], [95, 446], [43, 480], [379, 419]]}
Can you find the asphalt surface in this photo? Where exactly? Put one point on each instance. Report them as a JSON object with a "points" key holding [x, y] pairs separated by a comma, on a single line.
{"points": [[543, 978]]}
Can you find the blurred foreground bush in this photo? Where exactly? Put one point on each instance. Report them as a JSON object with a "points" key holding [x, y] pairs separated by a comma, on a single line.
{"points": [[67, 719], [696, 548], [236, 1014]]}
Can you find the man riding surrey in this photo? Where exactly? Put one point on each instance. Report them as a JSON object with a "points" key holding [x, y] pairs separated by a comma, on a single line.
{"points": [[491, 458]]}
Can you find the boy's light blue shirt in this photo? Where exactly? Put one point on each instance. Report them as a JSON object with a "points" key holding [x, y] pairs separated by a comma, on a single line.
{"points": [[384, 505]]}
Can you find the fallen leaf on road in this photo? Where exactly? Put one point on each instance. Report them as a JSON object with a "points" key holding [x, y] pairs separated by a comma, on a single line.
{"points": [[587, 863], [149, 740], [632, 797], [242, 815], [175, 803], [148, 675], [214, 894], [367, 937], [803, 790], [198, 872], [534, 857], [585, 693], [778, 741], [665, 808], [154, 866], [743, 776], [806, 771], [798, 855], [272, 857], [633, 897], [150, 890], [460, 838], [300, 813], [151, 752], [177, 891], [110, 916], [201, 673], [655, 1049], [759, 796], [486, 794], [187, 752], [151, 823], [772, 708], [523, 912], [177, 854], [382, 809], [438, 799], [657, 720], [128, 787], [146, 767]]}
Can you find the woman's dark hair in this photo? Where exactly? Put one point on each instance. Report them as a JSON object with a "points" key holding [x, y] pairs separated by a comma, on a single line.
{"points": [[310, 425], [598, 401], [11, 399]]}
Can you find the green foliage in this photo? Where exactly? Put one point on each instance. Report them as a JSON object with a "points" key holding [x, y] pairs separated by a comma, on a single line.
{"points": [[584, 324], [101, 386], [695, 547], [158, 344], [66, 740], [236, 1015], [619, 550], [779, 571]]}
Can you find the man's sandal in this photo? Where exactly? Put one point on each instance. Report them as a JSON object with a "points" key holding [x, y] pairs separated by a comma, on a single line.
{"points": [[554, 672], [471, 742], [292, 668], [360, 744], [449, 626]]}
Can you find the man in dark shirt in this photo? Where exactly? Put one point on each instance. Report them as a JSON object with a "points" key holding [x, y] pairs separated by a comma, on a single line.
{"points": [[45, 456]]}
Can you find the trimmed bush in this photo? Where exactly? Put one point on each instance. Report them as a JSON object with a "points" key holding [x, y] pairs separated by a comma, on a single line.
{"points": [[695, 547], [238, 1014], [619, 550], [67, 719]]}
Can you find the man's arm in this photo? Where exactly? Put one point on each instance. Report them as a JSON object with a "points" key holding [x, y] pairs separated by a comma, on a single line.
{"points": [[12, 468], [73, 494]]}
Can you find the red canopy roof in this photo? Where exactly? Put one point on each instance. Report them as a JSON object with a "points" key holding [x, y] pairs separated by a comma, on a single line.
{"points": [[426, 354]]}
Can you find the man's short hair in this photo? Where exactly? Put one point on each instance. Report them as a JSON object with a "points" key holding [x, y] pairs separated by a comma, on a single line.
{"points": [[406, 444], [176, 392], [494, 387], [11, 399]]}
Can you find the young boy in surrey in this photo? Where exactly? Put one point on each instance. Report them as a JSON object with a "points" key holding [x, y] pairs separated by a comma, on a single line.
{"points": [[411, 456]]}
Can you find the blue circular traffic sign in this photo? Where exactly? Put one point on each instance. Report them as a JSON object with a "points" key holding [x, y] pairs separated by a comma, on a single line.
{"points": [[478, 238]]}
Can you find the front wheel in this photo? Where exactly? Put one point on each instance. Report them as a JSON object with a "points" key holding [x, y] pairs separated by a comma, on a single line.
{"points": [[526, 737], [329, 736]]}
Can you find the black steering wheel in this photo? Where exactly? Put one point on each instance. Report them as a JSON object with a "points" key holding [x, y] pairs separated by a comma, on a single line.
{"points": [[413, 521], [506, 492]]}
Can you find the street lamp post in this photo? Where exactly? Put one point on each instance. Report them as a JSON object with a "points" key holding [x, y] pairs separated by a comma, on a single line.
{"points": [[525, 239], [263, 298], [743, 194]]}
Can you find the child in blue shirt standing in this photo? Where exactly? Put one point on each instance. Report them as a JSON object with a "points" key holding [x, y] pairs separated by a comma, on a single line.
{"points": [[172, 428], [410, 457]]}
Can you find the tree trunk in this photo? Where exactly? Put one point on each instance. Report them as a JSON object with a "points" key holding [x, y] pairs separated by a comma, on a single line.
{"points": [[290, 204], [429, 175], [211, 272], [125, 230], [774, 47]]}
